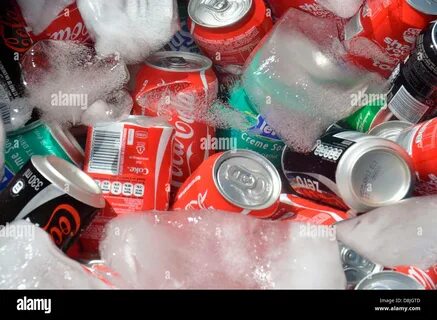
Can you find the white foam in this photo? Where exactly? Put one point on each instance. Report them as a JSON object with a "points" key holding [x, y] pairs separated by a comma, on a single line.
{"points": [[133, 28]]}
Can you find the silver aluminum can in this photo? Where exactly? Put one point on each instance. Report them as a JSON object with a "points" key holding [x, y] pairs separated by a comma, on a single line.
{"points": [[390, 130], [247, 180], [218, 13], [351, 170], [388, 280], [355, 266], [179, 61]]}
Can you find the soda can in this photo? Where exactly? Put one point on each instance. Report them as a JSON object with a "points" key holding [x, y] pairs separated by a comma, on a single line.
{"points": [[259, 137], [388, 280], [420, 143], [393, 27], [348, 169], [355, 266], [53, 194], [367, 117], [182, 39], [413, 94], [279, 7], [180, 86], [130, 160], [98, 269], [390, 130], [39, 138], [296, 209], [228, 31], [239, 181], [427, 278]]}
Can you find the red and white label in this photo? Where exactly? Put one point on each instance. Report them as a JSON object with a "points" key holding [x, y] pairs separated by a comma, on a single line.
{"points": [[131, 164], [427, 278]]}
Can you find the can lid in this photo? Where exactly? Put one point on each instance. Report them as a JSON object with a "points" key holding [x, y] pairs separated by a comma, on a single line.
{"points": [[218, 13], [247, 179], [388, 280], [176, 61], [70, 178], [375, 172], [68, 143], [353, 259], [390, 130], [424, 6]]}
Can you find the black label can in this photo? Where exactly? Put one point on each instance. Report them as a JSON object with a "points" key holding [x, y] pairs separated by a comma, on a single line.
{"points": [[53, 194], [350, 170], [413, 95]]}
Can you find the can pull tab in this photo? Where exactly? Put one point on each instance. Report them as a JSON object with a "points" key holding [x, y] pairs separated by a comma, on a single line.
{"points": [[246, 181], [176, 62], [218, 5]]}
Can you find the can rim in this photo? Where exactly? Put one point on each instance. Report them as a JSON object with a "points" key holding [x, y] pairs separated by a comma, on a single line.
{"points": [[190, 10], [205, 61], [276, 180], [68, 142], [422, 6], [375, 277], [346, 165], [55, 170], [390, 130]]}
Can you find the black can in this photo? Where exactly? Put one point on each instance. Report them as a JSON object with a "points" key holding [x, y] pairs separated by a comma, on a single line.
{"points": [[53, 194], [350, 170], [413, 95]]}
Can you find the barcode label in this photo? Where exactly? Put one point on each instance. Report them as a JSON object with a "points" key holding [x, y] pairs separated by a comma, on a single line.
{"points": [[5, 113], [405, 107], [105, 151], [353, 27]]}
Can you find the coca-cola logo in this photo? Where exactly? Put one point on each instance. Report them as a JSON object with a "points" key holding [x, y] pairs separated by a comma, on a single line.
{"points": [[199, 203], [13, 30], [137, 170], [421, 277], [64, 222], [78, 32]]}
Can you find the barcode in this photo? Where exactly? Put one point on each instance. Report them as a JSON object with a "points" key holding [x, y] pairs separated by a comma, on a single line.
{"points": [[5, 113], [105, 152], [353, 27], [405, 107]]}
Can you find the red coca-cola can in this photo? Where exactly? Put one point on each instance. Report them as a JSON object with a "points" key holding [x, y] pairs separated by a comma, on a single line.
{"points": [[180, 86], [131, 162], [279, 7], [427, 278], [68, 25], [235, 181], [228, 31], [297, 209], [392, 27], [420, 141]]}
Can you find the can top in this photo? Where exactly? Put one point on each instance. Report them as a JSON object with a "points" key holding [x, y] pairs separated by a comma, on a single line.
{"points": [[218, 13], [388, 280], [355, 266], [177, 61], [424, 6], [70, 178], [247, 179], [375, 172], [390, 130]]}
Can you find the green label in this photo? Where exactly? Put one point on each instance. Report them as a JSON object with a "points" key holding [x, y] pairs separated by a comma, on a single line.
{"points": [[35, 139], [362, 119]]}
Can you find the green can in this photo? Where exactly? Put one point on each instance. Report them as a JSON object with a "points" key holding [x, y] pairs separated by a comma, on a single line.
{"points": [[260, 137], [39, 138], [367, 117]]}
